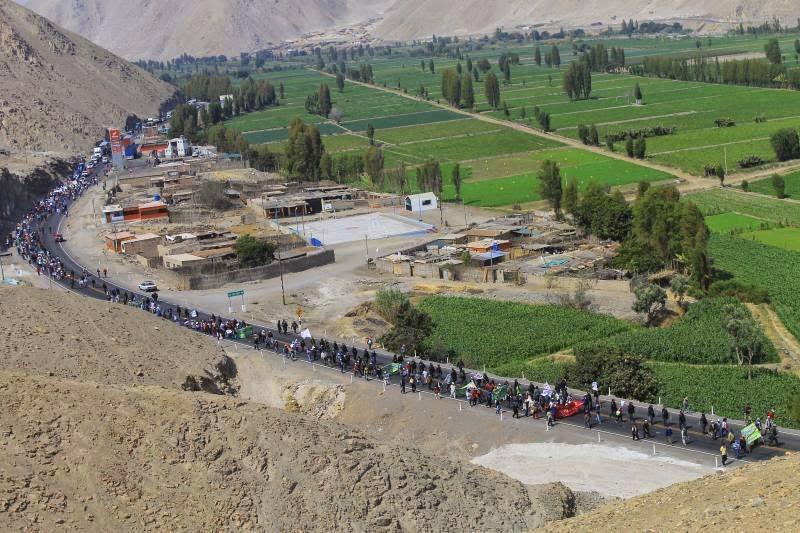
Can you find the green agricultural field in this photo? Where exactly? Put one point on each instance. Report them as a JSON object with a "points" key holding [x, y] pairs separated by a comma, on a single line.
{"points": [[727, 389], [785, 238], [716, 201], [775, 269], [791, 182], [492, 333], [732, 222], [690, 107], [698, 337]]}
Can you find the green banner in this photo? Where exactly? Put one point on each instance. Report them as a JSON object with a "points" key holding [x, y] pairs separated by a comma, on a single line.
{"points": [[500, 393], [751, 434], [461, 392], [391, 369]]}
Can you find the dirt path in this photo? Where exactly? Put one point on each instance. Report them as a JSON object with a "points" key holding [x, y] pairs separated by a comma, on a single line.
{"points": [[788, 346]]}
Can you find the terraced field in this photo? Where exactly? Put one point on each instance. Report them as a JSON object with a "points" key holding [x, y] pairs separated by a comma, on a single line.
{"points": [[791, 182]]}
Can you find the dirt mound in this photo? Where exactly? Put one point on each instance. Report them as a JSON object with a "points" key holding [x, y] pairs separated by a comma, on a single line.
{"points": [[107, 457], [67, 336], [762, 493], [58, 91]]}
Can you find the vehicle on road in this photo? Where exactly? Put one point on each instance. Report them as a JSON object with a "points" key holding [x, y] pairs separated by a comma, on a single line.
{"points": [[148, 286], [58, 237]]}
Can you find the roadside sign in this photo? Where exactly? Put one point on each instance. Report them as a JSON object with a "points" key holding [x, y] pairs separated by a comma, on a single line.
{"points": [[299, 312], [236, 293]]}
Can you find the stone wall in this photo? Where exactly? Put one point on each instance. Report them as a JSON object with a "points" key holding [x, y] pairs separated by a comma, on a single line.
{"points": [[189, 279]]}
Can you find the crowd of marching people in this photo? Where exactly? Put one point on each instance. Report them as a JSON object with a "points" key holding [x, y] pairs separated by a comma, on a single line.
{"points": [[28, 233], [476, 388]]}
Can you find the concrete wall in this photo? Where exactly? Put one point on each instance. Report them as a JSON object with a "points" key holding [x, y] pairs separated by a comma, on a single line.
{"points": [[189, 279]]}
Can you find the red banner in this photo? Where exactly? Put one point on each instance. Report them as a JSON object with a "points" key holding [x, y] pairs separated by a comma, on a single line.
{"points": [[115, 137]]}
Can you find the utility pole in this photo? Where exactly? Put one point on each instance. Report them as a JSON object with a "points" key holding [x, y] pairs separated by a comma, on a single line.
{"points": [[725, 149], [283, 291], [366, 247]]}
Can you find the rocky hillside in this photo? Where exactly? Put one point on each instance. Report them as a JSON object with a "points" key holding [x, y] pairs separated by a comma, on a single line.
{"points": [[141, 29], [210, 27], [410, 19], [58, 91]]}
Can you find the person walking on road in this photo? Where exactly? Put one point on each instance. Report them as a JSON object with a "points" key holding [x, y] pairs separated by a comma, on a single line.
{"points": [[682, 420], [665, 416], [597, 413], [684, 435], [668, 434], [452, 390], [703, 423], [651, 414], [613, 408], [723, 452], [635, 431], [631, 412], [646, 429]]}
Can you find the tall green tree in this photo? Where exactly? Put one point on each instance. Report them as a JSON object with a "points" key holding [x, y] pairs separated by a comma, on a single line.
{"points": [[373, 165], [340, 82], [555, 56], [550, 185], [491, 89], [745, 334], [467, 92], [451, 87], [455, 176], [779, 185], [324, 103], [570, 199], [537, 56], [773, 52], [577, 81], [371, 134], [304, 150]]}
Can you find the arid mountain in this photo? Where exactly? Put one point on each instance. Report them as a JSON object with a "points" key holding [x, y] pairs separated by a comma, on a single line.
{"points": [[413, 19], [58, 91], [142, 29]]}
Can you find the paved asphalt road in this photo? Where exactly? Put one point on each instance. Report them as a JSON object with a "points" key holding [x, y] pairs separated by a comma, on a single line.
{"points": [[698, 443]]}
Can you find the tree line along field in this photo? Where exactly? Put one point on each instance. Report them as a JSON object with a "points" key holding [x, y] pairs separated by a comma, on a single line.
{"points": [[689, 357], [791, 181], [499, 164]]}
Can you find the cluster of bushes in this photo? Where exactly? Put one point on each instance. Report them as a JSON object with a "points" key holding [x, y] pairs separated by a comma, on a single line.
{"points": [[588, 135], [724, 122], [655, 131], [542, 117], [750, 161]]}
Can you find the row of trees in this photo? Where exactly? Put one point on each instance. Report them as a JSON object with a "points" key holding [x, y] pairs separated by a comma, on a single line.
{"points": [[250, 95], [457, 89], [752, 72], [552, 57], [320, 102], [577, 80]]}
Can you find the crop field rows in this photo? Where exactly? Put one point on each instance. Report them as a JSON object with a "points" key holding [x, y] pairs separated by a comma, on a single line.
{"points": [[499, 164], [690, 107]]}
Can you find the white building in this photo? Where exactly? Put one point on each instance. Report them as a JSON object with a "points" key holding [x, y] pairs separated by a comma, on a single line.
{"points": [[176, 148], [425, 201], [224, 97]]}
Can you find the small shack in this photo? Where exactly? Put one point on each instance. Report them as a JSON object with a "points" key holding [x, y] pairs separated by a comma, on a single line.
{"points": [[417, 203]]}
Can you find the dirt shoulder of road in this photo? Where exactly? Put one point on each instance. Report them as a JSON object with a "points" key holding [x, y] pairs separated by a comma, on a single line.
{"points": [[764, 495]]}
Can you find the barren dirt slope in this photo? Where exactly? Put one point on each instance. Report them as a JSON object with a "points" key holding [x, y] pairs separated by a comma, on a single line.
{"points": [[58, 91], [142, 29], [113, 458], [761, 494], [409, 19], [98, 434]]}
